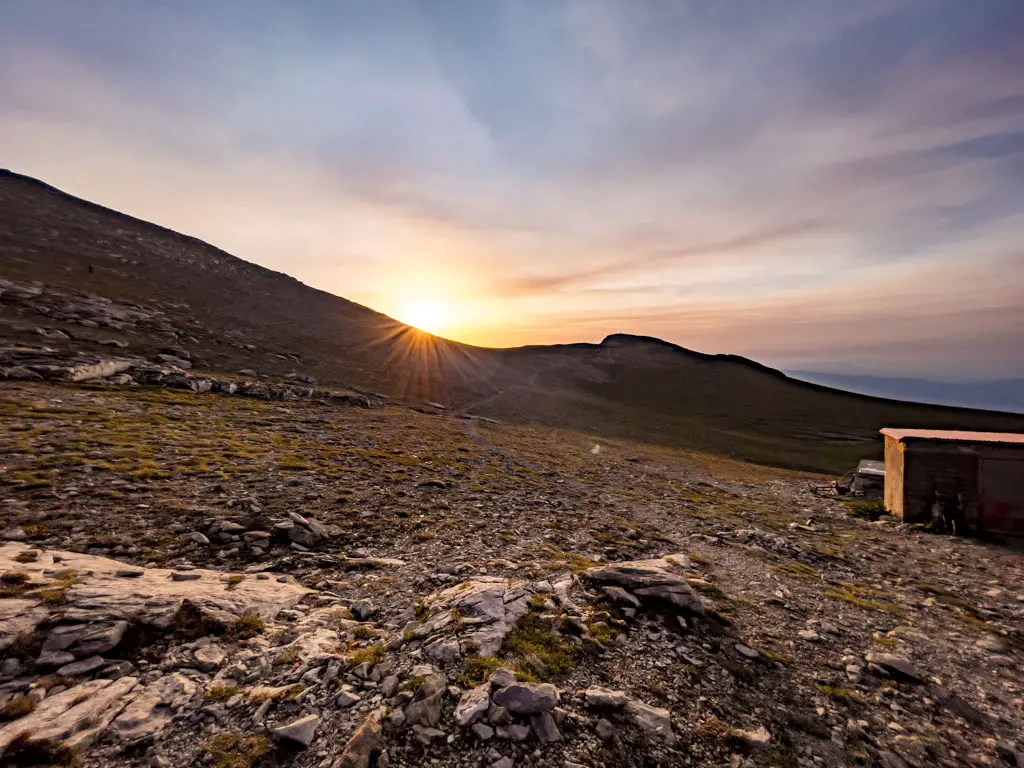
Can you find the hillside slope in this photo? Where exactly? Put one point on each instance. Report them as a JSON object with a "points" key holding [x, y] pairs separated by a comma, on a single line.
{"points": [[231, 314]]}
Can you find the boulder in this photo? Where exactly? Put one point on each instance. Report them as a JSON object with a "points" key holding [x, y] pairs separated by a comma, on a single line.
{"points": [[364, 742], [527, 698], [425, 707], [473, 705], [544, 728]]}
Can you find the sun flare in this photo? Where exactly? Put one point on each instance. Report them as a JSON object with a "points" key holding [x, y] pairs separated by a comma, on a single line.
{"points": [[429, 316]]}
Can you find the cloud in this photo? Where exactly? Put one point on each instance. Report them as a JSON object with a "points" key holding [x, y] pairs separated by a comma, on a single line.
{"points": [[718, 174]]}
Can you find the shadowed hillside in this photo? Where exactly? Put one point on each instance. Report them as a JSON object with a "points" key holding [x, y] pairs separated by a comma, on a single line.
{"points": [[230, 315]]}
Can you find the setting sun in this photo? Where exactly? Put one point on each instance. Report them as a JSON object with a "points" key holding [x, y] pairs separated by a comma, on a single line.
{"points": [[429, 316]]}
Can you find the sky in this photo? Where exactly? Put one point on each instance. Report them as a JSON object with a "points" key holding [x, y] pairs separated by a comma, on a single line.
{"points": [[816, 184]]}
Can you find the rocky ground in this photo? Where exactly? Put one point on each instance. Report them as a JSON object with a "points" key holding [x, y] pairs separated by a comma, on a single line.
{"points": [[197, 574]]}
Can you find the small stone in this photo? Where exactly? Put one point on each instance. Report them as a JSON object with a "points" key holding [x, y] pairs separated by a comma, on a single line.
{"points": [[809, 635], [501, 677], [513, 732], [747, 651], [389, 686], [301, 731], [302, 536], [605, 730], [425, 707], [198, 538], [482, 732], [185, 576], [425, 734], [346, 699], [397, 718], [498, 715], [362, 609], [504, 762]]}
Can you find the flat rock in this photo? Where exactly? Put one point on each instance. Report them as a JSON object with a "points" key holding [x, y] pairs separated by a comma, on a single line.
{"points": [[210, 656], [83, 667], [895, 666], [301, 731], [152, 709], [72, 718], [602, 698]]}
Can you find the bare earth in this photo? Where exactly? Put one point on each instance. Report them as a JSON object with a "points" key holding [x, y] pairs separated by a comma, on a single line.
{"points": [[796, 634]]}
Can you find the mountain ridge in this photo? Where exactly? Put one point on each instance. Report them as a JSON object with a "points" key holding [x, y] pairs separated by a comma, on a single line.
{"points": [[232, 314]]}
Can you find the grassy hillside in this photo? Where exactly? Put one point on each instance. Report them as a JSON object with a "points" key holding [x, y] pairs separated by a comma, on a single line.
{"points": [[240, 315]]}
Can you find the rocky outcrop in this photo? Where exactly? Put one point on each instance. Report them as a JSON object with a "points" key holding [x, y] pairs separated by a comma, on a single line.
{"points": [[479, 614], [657, 581]]}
